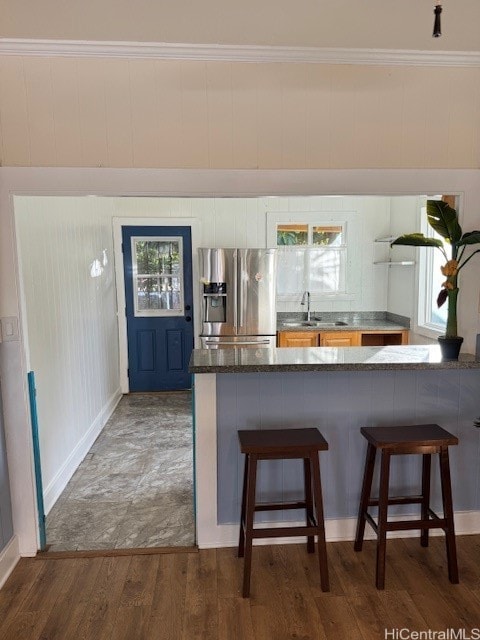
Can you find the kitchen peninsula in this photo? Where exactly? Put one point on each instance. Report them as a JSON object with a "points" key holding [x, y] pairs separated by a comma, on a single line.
{"points": [[337, 390]]}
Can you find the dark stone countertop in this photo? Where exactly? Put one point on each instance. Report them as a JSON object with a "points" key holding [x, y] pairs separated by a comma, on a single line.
{"points": [[403, 357], [359, 321], [360, 325]]}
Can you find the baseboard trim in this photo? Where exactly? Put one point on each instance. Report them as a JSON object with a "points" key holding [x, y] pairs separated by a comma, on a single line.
{"points": [[8, 560], [342, 529], [56, 486], [112, 553]]}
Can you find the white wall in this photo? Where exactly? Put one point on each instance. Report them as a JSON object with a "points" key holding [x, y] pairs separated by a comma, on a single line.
{"points": [[402, 290], [242, 222], [85, 112], [72, 327]]}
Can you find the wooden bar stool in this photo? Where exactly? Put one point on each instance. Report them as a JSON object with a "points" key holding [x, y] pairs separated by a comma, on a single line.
{"points": [[276, 444], [423, 439]]}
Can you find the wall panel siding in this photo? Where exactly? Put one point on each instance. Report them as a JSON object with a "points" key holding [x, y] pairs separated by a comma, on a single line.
{"points": [[118, 113], [269, 115], [193, 114], [144, 104], [463, 110], [220, 114], [194, 136], [38, 84], [6, 520], [415, 111], [66, 113], [242, 222], [437, 121], [14, 113], [92, 113], [71, 319], [294, 120], [169, 88], [319, 116], [244, 117], [289, 400], [343, 145]]}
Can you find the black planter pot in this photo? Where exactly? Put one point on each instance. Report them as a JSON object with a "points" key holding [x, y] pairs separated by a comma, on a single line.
{"points": [[450, 347]]}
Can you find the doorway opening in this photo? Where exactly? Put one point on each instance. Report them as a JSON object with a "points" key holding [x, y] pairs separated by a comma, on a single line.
{"points": [[109, 461]]}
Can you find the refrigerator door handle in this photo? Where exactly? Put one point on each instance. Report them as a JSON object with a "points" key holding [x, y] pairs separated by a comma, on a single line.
{"points": [[240, 286], [235, 291]]}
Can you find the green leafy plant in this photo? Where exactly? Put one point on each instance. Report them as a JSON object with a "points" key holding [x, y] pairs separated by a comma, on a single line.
{"points": [[444, 220]]}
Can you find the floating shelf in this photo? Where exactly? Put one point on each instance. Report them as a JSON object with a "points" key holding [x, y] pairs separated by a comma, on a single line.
{"points": [[386, 239], [396, 263]]}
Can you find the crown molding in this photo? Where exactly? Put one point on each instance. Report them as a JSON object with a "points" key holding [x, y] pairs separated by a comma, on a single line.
{"points": [[230, 53]]}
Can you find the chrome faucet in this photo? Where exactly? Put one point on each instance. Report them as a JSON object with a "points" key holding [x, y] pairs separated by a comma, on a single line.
{"points": [[306, 298]]}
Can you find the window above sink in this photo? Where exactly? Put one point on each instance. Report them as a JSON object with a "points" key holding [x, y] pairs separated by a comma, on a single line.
{"points": [[316, 252]]}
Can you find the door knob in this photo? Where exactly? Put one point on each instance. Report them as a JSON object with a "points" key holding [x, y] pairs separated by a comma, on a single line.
{"points": [[188, 318], [187, 307]]}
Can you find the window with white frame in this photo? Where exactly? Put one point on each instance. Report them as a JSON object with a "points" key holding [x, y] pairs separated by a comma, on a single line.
{"points": [[312, 254], [430, 279]]}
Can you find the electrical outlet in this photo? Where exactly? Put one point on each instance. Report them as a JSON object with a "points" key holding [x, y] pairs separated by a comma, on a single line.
{"points": [[9, 329]]}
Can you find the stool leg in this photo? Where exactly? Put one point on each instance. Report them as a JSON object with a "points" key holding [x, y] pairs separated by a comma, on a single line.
{"points": [[365, 496], [322, 546], [249, 516], [426, 468], [241, 540], [307, 474], [382, 519], [448, 515]]}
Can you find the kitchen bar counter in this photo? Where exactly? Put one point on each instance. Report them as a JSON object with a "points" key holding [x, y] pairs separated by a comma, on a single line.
{"points": [[402, 357], [338, 390]]}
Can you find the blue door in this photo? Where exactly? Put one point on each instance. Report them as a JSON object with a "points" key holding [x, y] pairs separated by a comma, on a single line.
{"points": [[157, 264]]}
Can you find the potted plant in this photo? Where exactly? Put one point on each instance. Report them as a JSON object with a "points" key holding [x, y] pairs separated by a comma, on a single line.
{"points": [[444, 220]]}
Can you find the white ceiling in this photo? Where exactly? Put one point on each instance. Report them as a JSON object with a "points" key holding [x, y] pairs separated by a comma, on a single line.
{"points": [[378, 24]]}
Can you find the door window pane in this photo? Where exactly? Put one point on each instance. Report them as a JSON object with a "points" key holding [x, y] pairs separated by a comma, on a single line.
{"points": [[157, 276]]}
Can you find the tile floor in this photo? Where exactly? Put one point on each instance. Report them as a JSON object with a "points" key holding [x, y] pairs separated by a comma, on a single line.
{"points": [[135, 486]]}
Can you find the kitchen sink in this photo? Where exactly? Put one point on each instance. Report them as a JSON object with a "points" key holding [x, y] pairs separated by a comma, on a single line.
{"points": [[314, 323]]}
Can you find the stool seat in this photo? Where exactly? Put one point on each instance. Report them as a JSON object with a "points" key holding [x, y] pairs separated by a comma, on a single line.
{"points": [[423, 439], [418, 435], [280, 444], [281, 441]]}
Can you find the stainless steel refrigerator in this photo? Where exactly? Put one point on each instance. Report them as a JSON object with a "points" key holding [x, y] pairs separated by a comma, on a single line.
{"points": [[238, 297]]}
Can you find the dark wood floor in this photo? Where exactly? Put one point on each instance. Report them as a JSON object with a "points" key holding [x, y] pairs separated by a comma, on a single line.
{"points": [[186, 596]]}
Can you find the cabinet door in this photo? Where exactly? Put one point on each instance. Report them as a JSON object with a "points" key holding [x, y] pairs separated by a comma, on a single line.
{"points": [[339, 339], [298, 339]]}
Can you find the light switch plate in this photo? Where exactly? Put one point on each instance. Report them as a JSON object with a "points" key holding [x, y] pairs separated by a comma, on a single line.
{"points": [[9, 327]]}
